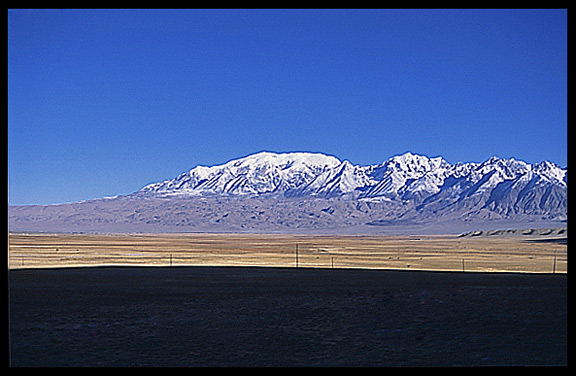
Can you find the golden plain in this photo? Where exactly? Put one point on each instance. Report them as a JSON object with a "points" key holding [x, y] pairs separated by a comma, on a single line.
{"points": [[430, 252]]}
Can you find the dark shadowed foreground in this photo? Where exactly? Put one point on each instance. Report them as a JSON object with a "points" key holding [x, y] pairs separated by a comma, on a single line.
{"points": [[241, 316]]}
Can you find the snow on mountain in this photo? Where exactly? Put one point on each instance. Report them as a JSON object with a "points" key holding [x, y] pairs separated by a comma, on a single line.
{"points": [[259, 173], [408, 176], [313, 191], [403, 177]]}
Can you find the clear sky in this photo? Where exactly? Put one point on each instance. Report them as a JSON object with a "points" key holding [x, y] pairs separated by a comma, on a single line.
{"points": [[103, 102]]}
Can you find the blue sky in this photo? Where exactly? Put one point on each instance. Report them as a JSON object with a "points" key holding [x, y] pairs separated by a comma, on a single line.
{"points": [[103, 102]]}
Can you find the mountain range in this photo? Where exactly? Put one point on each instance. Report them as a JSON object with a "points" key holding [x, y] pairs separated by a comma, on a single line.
{"points": [[314, 192]]}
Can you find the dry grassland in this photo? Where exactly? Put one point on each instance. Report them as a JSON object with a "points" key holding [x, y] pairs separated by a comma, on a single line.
{"points": [[446, 253]]}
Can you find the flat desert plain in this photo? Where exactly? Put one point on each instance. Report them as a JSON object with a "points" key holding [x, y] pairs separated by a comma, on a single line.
{"points": [[533, 254], [217, 305]]}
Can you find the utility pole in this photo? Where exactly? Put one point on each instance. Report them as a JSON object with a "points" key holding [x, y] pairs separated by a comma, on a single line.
{"points": [[296, 254], [462, 265], [170, 259], [554, 268]]}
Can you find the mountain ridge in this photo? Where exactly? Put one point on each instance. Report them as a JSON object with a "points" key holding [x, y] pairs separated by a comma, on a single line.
{"points": [[406, 177], [314, 192]]}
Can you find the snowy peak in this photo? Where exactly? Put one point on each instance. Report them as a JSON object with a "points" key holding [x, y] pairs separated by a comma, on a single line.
{"points": [[305, 192], [502, 184], [551, 172], [259, 173], [283, 160], [415, 164]]}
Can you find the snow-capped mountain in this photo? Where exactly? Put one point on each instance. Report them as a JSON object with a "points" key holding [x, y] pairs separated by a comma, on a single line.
{"points": [[259, 173], [312, 192], [300, 174], [505, 185]]}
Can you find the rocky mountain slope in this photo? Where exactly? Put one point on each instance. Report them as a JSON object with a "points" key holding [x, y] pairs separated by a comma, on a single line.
{"points": [[316, 192], [496, 187]]}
